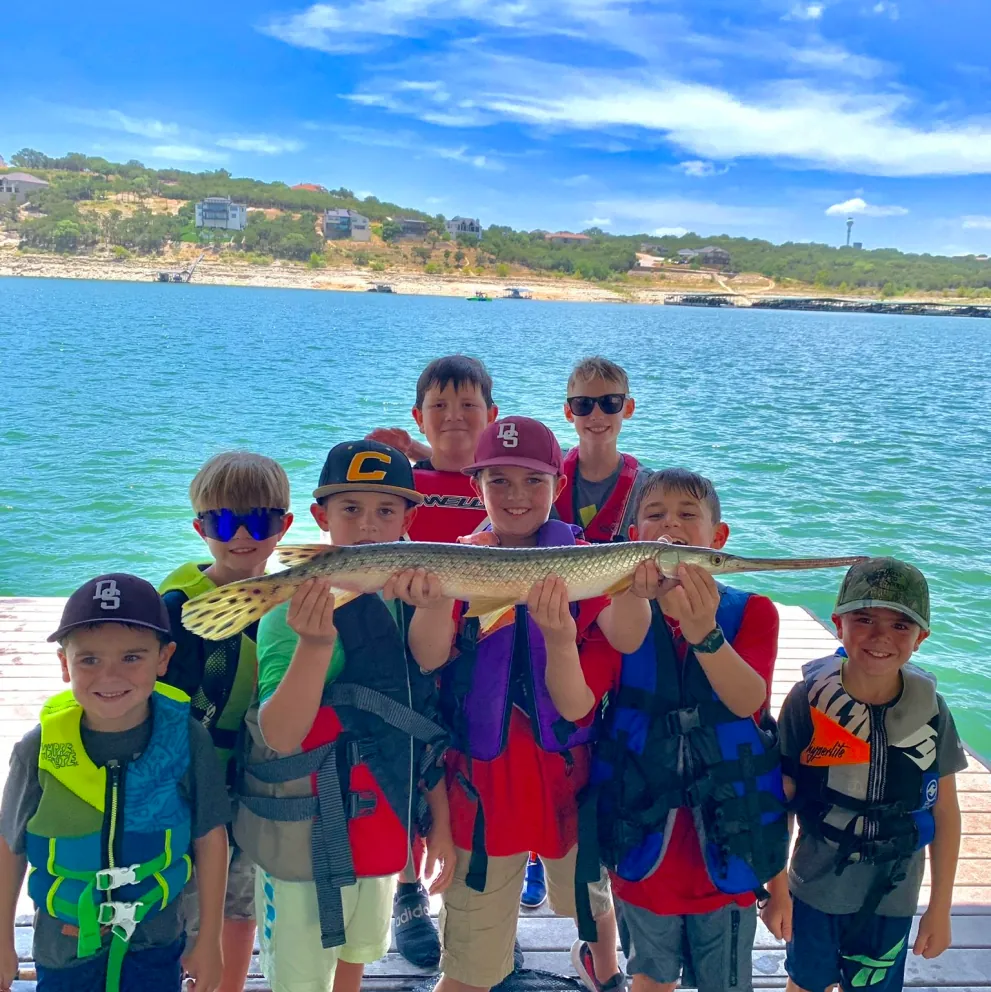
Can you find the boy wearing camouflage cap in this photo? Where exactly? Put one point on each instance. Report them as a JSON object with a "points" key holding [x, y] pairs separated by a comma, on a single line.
{"points": [[870, 752]]}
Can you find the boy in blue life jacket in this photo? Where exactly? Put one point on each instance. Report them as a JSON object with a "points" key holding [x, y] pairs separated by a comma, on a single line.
{"points": [[686, 776], [521, 694], [870, 753], [241, 502], [111, 801], [343, 757]]}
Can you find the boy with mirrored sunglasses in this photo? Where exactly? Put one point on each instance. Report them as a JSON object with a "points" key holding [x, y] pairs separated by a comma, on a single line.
{"points": [[241, 501]]}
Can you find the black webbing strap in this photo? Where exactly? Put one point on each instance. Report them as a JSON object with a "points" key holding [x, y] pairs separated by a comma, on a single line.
{"points": [[331, 852], [290, 767], [587, 862], [395, 714], [478, 864]]}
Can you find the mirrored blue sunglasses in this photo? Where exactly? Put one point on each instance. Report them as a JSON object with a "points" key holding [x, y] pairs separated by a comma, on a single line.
{"points": [[260, 522]]}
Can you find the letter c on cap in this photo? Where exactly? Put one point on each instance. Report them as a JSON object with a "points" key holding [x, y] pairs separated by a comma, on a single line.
{"points": [[357, 474]]}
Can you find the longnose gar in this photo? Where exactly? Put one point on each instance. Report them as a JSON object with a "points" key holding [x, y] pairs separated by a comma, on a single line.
{"points": [[489, 579]]}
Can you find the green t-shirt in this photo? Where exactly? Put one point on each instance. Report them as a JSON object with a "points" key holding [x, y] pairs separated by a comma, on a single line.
{"points": [[277, 642]]}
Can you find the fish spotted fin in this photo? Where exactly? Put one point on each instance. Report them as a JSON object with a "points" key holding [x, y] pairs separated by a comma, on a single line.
{"points": [[226, 611], [300, 554]]}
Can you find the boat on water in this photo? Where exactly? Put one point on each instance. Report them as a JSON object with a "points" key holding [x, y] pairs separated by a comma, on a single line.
{"points": [[381, 287], [479, 297], [518, 293]]}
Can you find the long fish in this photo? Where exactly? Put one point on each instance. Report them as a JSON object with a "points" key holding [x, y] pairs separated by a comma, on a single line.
{"points": [[490, 579]]}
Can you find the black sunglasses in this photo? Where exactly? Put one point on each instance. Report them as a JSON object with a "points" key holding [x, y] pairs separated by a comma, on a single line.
{"points": [[260, 522], [582, 406]]}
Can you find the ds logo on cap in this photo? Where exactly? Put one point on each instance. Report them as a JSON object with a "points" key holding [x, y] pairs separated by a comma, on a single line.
{"points": [[508, 434], [108, 594]]}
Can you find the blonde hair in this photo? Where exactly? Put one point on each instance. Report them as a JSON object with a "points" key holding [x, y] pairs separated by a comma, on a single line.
{"points": [[596, 367], [239, 480]]}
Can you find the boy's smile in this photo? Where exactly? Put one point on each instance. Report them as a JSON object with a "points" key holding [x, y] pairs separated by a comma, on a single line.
{"points": [[113, 669], [679, 518], [518, 501], [452, 420], [599, 427], [242, 557], [361, 517], [878, 641]]}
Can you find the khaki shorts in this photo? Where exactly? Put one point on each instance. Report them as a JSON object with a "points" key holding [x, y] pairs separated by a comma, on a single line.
{"points": [[478, 928], [239, 900], [291, 955]]}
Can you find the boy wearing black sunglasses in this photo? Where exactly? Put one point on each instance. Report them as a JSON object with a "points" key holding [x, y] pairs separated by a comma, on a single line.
{"points": [[241, 501], [602, 483]]}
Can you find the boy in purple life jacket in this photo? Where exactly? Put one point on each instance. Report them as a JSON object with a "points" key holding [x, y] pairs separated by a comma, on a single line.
{"points": [[521, 698]]}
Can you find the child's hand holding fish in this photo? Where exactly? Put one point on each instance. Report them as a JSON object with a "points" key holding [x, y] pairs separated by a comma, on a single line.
{"points": [[419, 588], [311, 613], [551, 611]]}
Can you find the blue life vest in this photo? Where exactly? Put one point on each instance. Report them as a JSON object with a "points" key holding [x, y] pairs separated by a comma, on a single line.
{"points": [[668, 743]]}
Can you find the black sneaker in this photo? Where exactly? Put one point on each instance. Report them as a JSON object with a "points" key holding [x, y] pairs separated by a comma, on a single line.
{"points": [[416, 933]]}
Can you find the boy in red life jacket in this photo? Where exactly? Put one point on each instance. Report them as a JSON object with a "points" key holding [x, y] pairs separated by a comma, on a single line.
{"points": [[602, 484], [315, 937], [453, 406], [675, 918], [521, 697]]}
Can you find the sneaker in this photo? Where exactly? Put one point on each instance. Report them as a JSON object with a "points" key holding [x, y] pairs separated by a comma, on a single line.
{"points": [[534, 887], [517, 956], [581, 959], [416, 933]]}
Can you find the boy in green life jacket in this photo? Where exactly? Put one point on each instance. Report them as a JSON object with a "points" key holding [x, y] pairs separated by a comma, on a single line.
{"points": [[870, 754], [111, 801], [346, 728], [241, 502]]}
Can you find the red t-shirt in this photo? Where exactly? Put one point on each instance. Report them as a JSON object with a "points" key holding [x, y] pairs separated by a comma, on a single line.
{"points": [[681, 886], [451, 508], [529, 795]]}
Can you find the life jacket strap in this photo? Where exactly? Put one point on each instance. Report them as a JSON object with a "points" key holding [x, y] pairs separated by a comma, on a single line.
{"points": [[395, 714], [588, 861]]}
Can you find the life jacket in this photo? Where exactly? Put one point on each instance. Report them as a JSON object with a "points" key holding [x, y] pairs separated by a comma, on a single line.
{"points": [[867, 782], [230, 667], [343, 806], [109, 845], [668, 743], [451, 508], [605, 526], [491, 675]]}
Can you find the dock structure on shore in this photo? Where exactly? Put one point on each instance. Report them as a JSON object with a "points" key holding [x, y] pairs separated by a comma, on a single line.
{"points": [[29, 674], [828, 305], [180, 275]]}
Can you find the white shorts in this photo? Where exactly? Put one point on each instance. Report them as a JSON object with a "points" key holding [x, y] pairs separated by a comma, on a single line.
{"points": [[291, 955]]}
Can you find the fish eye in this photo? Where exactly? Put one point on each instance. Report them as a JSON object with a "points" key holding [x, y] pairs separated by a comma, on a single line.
{"points": [[717, 559]]}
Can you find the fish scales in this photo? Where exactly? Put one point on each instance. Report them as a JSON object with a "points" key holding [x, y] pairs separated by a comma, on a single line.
{"points": [[486, 577]]}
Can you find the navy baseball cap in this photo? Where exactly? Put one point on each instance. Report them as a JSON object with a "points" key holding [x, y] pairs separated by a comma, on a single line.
{"points": [[367, 466], [115, 598]]}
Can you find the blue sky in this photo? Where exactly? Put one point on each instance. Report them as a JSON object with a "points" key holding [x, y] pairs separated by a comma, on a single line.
{"points": [[762, 118]]}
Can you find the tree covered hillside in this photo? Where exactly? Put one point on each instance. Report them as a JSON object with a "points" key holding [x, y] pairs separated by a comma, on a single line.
{"points": [[80, 209]]}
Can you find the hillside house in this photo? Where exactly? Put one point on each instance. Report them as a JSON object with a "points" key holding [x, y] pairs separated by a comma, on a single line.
{"points": [[220, 212], [469, 227], [310, 187], [340, 224], [412, 228], [717, 258], [18, 186], [567, 238]]}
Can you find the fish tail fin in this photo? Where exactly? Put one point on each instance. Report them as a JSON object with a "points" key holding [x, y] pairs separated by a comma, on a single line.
{"points": [[228, 610]]}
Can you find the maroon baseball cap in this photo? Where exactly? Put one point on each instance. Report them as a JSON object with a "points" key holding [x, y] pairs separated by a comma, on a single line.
{"points": [[518, 441], [114, 598]]}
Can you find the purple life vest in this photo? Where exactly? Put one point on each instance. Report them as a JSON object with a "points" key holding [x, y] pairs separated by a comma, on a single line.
{"points": [[481, 686]]}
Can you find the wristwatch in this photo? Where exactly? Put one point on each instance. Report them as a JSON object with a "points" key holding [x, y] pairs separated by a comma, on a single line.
{"points": [[712, 641]]}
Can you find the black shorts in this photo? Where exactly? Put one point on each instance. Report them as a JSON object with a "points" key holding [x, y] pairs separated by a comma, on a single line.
{"points": [[155, 969]]}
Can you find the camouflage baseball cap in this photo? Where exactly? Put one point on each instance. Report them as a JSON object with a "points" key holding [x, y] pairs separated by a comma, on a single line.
{"points": [[886, 582]]}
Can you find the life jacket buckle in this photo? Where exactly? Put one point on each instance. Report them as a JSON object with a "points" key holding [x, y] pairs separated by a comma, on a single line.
{"points": [[360, 804], [113, 878], [680, 722], [122, 916]]}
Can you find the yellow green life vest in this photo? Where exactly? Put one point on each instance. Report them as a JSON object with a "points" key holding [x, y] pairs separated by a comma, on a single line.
{"points": [[109, 845], [231, 664]]}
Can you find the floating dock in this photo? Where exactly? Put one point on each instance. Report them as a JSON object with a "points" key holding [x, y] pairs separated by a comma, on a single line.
{"points": [[29, 674]]}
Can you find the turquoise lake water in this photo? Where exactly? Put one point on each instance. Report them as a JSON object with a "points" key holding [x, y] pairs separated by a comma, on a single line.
{"points": [[825, 434]]}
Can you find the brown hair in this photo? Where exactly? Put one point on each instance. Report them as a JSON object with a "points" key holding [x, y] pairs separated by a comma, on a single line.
{"points": [[597, 367], [239, 480], [682, 481], [458, 369]]}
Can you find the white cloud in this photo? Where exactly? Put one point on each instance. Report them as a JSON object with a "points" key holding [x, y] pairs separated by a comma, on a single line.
{"points": [[887, 7], [115, 120], [409, 141], [978, 222], [462, 154], [261, 143], [597, 222], [187, 153], [683, 214], [699, 169], [860, 206], [674, 232], [806, 12], [581, 180]]}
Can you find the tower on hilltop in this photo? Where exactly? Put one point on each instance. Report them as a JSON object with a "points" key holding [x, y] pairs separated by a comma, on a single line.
{"points": [[849, 228]]}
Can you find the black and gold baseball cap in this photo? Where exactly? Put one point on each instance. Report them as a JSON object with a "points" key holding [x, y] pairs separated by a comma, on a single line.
{"points": [[886, 582], [367, 466]]}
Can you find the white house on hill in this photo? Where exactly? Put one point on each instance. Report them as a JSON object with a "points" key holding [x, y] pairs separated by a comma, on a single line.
{"points": [[220, 212], [18, 186]]}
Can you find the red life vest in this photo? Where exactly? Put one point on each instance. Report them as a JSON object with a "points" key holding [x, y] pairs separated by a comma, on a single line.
{"points": [[450, 508], [344, 806], [604, 526]]}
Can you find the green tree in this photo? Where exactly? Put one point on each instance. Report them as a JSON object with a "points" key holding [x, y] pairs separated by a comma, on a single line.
{"points": [[66, 236], [391, 230]]}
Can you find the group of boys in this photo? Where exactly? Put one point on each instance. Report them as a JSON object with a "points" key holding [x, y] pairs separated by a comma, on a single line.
{"points": [[616, 755]]}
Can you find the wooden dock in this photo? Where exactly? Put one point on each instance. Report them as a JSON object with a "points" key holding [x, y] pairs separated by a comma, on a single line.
{"points": [[29, 674]]}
